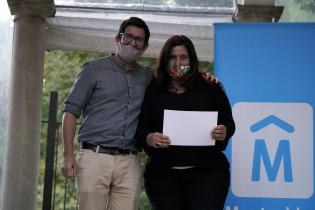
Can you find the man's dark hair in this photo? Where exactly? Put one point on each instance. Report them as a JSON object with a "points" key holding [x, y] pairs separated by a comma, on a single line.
{"points": [[134, 21]]}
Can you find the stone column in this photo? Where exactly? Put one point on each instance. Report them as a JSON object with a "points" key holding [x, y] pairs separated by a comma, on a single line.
{"points": [[22, 146], [257, 11]]}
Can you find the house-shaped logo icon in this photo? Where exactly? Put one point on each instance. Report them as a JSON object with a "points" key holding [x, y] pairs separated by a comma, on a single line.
{"points": [[271, 119], [270, 142], [282, 155]]}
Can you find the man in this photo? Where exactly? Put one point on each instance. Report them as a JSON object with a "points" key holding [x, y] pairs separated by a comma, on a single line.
{"points": [[109, 92]]}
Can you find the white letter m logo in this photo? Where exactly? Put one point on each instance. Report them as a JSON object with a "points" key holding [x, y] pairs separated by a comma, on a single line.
{"points": [[282, 153]]}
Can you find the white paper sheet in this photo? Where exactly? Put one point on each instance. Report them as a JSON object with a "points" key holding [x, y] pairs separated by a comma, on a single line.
{"points": [[189, 128]]}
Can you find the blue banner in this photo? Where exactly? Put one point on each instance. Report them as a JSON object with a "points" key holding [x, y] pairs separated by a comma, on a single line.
{"points": [[268, 71]]}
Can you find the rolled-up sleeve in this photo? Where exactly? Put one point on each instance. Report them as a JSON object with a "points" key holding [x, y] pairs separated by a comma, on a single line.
{"points": [[81, 91]]}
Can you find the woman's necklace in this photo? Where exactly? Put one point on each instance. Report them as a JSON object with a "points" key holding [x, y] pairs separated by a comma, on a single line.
{"points": [[177, 89]]}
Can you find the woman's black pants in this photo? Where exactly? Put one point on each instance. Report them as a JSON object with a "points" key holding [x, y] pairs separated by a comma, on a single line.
{"points": [[195, 188]]}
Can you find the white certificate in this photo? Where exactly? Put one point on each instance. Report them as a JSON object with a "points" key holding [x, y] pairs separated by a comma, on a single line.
{"points": [[189, 128]]}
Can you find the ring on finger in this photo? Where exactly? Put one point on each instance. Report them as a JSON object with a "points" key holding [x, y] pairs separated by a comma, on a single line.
{"points": [[157, 144]]}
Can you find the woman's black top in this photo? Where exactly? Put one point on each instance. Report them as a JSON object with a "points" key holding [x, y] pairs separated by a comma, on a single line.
{"points": [[200, 97]]}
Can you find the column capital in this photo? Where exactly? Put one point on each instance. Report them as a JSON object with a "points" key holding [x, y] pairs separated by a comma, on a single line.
{"points": [[257, 13], [42, 8]]}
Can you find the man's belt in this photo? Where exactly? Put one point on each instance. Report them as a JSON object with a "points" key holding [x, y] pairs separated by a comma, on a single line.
{"points": [[106, 150]]}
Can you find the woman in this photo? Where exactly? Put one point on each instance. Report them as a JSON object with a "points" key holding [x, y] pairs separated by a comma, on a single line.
{"points": [[184, 177]]}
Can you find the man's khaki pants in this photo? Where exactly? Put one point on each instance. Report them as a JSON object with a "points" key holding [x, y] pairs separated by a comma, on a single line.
{"points": [[110, 182]]}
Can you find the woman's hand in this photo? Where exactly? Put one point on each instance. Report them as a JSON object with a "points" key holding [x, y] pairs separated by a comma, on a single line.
{"points": [[158, 140], [219, 133]]}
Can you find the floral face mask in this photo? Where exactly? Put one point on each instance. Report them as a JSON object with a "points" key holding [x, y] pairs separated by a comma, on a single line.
{"points": [[177, 71]]}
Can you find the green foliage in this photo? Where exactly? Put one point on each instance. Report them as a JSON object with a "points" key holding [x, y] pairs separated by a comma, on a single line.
{"points": [[297, 10], [308, 5], [206, 66], [59, 71]]}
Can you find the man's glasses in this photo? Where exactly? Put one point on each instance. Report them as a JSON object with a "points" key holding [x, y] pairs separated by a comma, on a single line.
{"points": [[128, 38]]}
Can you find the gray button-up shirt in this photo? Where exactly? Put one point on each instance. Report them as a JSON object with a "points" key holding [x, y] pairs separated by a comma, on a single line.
{"points": [[110, 99]]}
